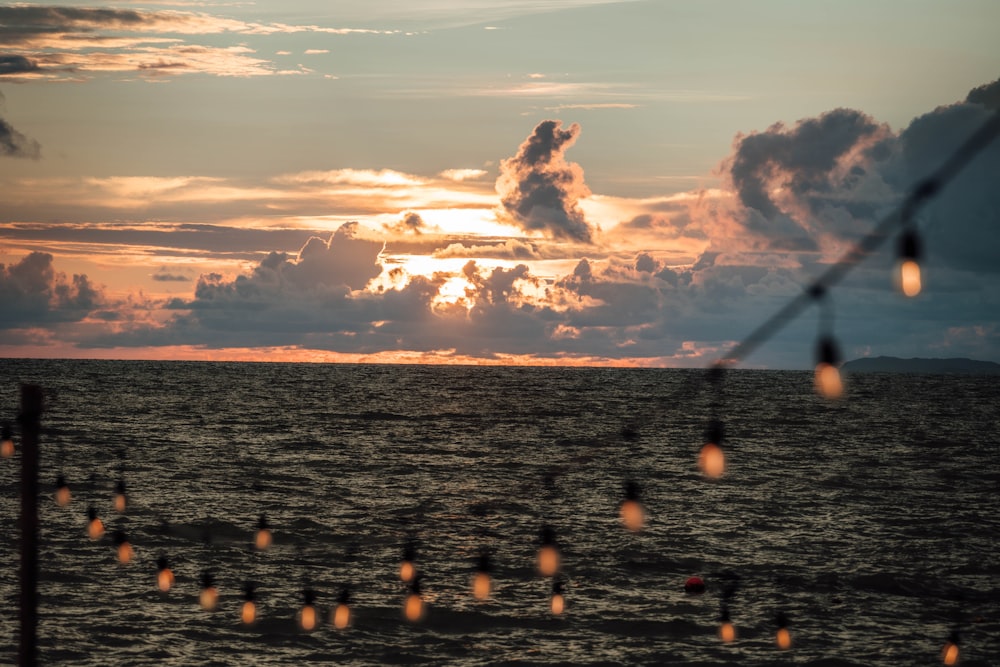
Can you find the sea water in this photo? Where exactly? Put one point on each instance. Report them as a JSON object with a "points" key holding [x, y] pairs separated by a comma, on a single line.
{"points": [[871, 523]]}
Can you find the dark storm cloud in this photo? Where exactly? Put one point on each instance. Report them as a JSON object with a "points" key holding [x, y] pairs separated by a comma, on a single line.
{"points": [[15, 144], [539, 190], [17, 65], [34, 294]]}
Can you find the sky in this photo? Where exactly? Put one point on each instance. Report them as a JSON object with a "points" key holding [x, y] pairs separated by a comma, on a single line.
{"points": [[557, 182]]}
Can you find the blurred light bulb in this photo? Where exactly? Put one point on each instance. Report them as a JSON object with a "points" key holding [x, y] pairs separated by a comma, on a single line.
{"points": [[632, 515], [208, 598], [727, 631], [95, 528], [120, 500], [828, 382], [125, 551], [414, 606], [263, 538], [6, 442], [342, 612], [783, 638], [164, 575], [711, 458], [62, 494], [950, 652], [548, 553], [558, 602], [481, 583], [307, 615], [407, 569], [248, 610], [909, 267]]}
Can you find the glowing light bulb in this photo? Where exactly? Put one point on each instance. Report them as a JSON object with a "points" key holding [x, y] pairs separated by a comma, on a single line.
{"points": [[783, 638], [909, 268], [164, 575], [6, 442], [414, 605], [120, 499], [548, 553], [950, 652], [208, 598], [407, 568], [248, 610], [827, 381], [341, 617], [711, 458], [558, 601], [481, 583], [95, 527], [125, 551], [632, 515], [263, 538], [62, 494], [307, 615], [727, 631]]}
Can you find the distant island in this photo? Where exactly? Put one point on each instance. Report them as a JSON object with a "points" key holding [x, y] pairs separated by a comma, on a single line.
{"points": [[922, 366]]}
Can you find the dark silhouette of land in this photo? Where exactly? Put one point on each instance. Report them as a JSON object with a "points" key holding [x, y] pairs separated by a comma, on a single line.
{"points": [[957, 366]]}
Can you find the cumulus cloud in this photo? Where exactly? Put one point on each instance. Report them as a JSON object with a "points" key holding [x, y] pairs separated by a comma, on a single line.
{"points": [[511, 249], [539, 190], [33, 293]]}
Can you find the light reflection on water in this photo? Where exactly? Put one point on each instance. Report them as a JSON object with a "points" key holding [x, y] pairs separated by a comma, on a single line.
{"points": [[869, 521]]}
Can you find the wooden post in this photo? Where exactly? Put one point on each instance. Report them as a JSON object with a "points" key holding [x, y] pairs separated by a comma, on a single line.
{"points": [[30, 419]]}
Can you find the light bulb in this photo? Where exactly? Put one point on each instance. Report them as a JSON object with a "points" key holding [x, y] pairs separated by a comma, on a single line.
{"points": [[248, 611], [414, 606], [711, 458], [558, 601], [727, 631], [481, 583], [783, 638], [407, 568], [950, 652], [909, 268], [208, 598], [263, 538], [95, 528], [6, 442], [164, 575], [827, 381], [125, 551], [307, 615], [62, 494], [548, 553], [120, 501], [631, 512], [341, 617]]}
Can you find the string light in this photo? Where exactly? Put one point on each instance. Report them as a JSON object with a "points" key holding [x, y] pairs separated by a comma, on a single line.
{"points": [[548, 553], [909, 266], [413, 608], [632, 514], [341, 616], [557, 603], [120, 498], [408, 568], [827, 380], [248, 610], [711, 458], [164, 575], [125, 551], [95, 527], [208, 598], [782, 637], [307, 614], [950, 652], [727, 631], [481, 582], [263, 538], [62, 494], [6, 442]]}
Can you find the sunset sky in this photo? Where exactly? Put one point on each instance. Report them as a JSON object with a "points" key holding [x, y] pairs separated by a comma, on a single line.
{"points": [[489, 181]]}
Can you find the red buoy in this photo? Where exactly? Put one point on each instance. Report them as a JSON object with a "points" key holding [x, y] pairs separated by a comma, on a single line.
{"points": [[694, 585]]}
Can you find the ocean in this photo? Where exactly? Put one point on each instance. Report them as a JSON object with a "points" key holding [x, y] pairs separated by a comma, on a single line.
{"points": [[871, 523]]}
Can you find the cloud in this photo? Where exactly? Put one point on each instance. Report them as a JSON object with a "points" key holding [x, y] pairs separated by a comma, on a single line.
{"points": [[17, 65], [15, 144], [34, 294], [539, 190], [462, 174], [510, 249]]}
